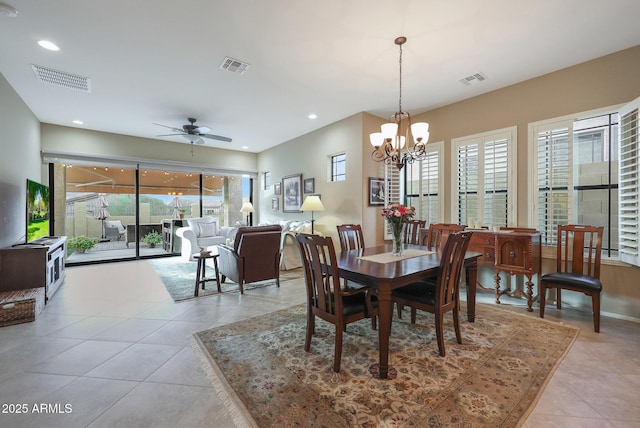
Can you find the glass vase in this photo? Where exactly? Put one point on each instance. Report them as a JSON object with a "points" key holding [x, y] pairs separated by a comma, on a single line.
{"points": [[397, 230]]}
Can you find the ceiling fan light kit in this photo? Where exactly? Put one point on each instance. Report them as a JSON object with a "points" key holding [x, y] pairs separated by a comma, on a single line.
{"points": [[193, 133]]}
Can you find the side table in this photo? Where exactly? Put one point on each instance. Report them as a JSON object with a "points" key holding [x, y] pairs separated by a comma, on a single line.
{"points": [[201, 271]]}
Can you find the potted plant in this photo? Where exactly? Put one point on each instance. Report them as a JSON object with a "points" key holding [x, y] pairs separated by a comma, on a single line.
{"points": [[182, 212], [152, 238], [81, 244]]}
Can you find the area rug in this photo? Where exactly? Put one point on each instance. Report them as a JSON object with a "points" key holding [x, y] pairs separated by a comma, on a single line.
{"points": [[179, 278], [493, 379]]}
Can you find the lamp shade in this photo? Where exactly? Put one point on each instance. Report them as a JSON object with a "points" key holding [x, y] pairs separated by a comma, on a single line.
{"points": [[312, 203], [247, 207]]}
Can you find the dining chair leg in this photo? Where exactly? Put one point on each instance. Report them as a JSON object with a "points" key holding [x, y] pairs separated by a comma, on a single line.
{"points": [[439, 319], [558, 298], [542, 292], [310, 331], [456, 324], [413, 315], [338, 350], [595, 299]]}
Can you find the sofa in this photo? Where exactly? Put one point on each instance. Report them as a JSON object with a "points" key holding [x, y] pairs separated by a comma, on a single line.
{"points": [[202, 232], [254, 255], [290, 258]]}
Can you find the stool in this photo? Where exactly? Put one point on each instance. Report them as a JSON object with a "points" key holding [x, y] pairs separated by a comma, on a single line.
{"points": [[201, 276]]}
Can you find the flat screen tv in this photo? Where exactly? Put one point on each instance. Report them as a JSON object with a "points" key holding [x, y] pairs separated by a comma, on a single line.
{"points": [[37, 210]]}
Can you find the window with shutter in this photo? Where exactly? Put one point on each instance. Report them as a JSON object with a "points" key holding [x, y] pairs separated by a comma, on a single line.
{"points": [[629, 186], [574, 169], [424, 185], [485, 187]]}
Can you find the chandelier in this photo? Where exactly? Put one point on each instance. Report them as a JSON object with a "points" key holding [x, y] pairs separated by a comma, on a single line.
{"points": [[400, 142]]}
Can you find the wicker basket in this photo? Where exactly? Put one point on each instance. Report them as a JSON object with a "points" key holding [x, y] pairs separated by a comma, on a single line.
{"points": [[20, 306]]}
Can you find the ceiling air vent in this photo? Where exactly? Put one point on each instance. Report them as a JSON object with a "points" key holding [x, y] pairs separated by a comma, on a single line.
{"points": [[234, 65], [473, 79], [61, 78]]}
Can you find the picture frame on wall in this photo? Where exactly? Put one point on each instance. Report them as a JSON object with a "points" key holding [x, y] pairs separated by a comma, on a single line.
{"points": [[309, 185], [275, 204], [292, 193], [377, 188], [276, 189]]}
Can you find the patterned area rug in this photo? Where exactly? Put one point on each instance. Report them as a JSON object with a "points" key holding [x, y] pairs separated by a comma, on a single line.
{"points": [[492, 380], [179, 278]]}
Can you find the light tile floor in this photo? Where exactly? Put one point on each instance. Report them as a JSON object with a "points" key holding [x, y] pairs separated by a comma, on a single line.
{"points": [[111, 350]]}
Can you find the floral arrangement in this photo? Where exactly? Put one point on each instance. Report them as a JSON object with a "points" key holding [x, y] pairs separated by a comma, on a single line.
{"points": [[398, 214]]}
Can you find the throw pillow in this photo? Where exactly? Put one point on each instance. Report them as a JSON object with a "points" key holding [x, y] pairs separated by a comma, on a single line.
{"points": [[207, 230]]}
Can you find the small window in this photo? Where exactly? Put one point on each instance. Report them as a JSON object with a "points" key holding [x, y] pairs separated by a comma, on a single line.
{"points": [[267, 180], [338, 167]]}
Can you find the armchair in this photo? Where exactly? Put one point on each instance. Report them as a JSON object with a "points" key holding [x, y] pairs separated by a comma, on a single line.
{"points": [[113, 229], [255, 256], [202, 232]]}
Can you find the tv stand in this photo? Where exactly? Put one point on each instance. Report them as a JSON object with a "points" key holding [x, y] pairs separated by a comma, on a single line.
{"points": [[36, 264]]}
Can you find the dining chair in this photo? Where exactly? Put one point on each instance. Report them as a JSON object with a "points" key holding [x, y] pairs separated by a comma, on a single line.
{"points": [[440, 295], [575, 244], [436, 235], [411, 231], [326, 299], [351, 237]]}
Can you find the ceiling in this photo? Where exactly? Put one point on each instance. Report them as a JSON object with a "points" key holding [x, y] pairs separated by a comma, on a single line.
{"points": [[159, 61]]}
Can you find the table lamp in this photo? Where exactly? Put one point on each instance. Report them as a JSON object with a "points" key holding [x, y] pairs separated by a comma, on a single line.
{"points": [[312, 203], [247, 207]]}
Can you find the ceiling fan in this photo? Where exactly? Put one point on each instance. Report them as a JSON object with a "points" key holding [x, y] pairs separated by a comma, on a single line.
{"points": [[193, 133]]}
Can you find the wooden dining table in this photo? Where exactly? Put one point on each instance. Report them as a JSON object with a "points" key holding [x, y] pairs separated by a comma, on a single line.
{"points": [[384, 277]]}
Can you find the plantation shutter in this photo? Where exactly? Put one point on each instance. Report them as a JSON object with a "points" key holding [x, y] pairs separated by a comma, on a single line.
{"points": [[485, 186], [429, 208], [392, 176], [629, 186], [496, 183], [554, 180], [468, 183]]}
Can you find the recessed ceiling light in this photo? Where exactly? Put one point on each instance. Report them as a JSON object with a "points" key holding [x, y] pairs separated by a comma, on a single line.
{"points": [[48, 45], [245, 147], [78, 122], [313, 116]]}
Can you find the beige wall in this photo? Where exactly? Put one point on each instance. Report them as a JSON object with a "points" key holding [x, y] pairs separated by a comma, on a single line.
{"points": [[603, 82]]}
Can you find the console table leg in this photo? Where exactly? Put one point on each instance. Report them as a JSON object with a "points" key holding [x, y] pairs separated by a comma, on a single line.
{"points": [[529, 294], [498, 287]]}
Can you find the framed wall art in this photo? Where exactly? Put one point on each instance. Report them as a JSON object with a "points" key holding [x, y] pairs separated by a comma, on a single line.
{"points": [[309, 185], [275, 204], [292, 193], [276, 189], [376, 191]]}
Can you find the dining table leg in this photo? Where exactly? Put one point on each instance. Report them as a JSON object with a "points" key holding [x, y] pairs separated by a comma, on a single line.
{"points": [[385, 311], [472, 281]]}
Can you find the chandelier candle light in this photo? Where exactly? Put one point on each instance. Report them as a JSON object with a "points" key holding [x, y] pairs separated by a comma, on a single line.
{"points": [[398, 215], [399, 141]]}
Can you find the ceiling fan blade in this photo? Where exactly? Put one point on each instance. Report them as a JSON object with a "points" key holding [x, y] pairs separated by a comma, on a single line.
{"points": [[199, 141], [216, 137], [169, 135], [170, 127], [201, 130]]}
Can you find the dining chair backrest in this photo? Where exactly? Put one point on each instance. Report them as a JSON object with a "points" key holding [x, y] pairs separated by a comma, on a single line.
{"points": [[351, 237], [579, 248], [437, 234], [411, 231], [451, 263], [323, 283]]}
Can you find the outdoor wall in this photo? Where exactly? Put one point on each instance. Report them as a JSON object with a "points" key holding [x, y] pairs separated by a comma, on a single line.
{"points": [[20, 148]]}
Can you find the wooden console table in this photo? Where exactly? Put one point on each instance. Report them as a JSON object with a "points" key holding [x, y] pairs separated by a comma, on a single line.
{"points": [[513, 252]]}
